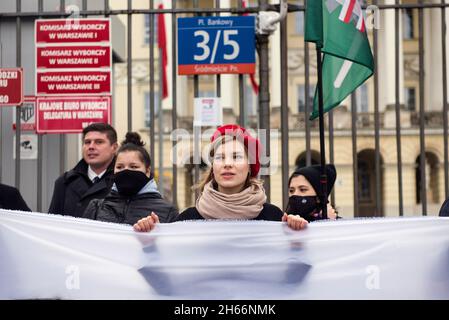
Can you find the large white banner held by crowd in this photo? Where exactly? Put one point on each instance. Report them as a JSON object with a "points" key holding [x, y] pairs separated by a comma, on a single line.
{"points": [[52, 257]]}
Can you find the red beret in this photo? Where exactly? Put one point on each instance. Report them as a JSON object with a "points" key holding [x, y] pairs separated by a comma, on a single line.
{"points": [[251, 144]]}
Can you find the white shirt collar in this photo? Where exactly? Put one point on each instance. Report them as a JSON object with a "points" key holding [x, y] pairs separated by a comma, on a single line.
{"points": [[91, 173]]}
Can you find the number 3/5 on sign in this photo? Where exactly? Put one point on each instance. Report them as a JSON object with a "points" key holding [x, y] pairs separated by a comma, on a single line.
{"points": [[215, 45]]}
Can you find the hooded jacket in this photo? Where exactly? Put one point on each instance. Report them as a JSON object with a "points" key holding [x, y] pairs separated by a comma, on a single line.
{"points": [[122, 209]]}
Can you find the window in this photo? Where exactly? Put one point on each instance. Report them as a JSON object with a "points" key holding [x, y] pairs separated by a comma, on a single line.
{"points": [[147, 107], [410, 98], [301, 97], [249, 99], [299, 23], [431, 187], [364, 181], [362, 98], [146, 40], [206, 94], [407, 24]]}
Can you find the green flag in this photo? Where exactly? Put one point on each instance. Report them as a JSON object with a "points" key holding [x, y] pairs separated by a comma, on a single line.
{"points": [[338, 27]]}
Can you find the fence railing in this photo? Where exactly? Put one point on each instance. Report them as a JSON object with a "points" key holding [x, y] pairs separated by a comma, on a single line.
{"points": [[17, 17]]}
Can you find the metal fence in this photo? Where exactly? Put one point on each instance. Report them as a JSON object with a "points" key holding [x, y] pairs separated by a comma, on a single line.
{"points": [[372, 121]]}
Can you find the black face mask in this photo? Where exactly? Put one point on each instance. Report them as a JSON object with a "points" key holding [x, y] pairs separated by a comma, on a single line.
{"points": [[129, 182], [303, 206]]}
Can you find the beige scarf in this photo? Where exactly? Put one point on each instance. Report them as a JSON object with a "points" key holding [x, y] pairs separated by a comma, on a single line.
{"points": [[247, 204]]}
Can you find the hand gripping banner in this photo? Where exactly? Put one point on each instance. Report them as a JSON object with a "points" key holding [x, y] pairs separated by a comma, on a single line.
{"points": [[54, 257]]}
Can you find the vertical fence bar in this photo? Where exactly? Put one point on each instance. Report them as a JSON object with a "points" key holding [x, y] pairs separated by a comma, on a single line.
{"points": [[196, 130], [62, 137], [284, 111], [129, 66], [218, 76], [242, 114], [264, 101], [242, 111], [445, 125], [331, 150], [1, 122], [17, 109], [307, 102], [323, 176], [196, 138], [355, 170], [106, 8], [1, 119], [161, 71], [397, 109], [161, 121], [174, 104], [40, 6], [151, 88], [422, 156], [377, 167]]}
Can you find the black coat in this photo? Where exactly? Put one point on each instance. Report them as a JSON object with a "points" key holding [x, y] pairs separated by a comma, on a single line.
{"points": [[74, 190], [120, 209], [269, 213], [10, 198], [444, 211]]}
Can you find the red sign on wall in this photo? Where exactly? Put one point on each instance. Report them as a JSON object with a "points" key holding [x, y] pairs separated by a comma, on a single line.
{"points": [[70, 114], [73, 57], [73, 82], [11, 86], [72, 30], [73, 74]]}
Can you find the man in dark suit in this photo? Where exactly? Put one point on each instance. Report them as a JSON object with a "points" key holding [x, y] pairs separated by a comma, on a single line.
{"points": [[10, 198], [92, 177]]}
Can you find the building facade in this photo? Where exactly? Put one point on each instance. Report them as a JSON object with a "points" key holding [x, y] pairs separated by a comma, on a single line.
{"points": [[356, 190]]}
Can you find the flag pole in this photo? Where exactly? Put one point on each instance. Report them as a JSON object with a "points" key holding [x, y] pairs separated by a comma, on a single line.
{"points": [[323, 178]]}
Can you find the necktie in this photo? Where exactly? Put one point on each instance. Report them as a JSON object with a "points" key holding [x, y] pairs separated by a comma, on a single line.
{"points": [[95, 180]]}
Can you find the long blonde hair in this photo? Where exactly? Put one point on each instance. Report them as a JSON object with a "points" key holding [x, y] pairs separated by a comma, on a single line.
{"points": [[210, 174]]}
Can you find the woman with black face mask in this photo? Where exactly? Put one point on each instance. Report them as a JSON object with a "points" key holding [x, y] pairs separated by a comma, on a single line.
{"points": [[134, 194], [304, 188]]}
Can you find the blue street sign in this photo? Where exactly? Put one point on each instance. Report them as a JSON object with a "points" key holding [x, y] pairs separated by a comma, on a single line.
{"points": [[212, 45]]}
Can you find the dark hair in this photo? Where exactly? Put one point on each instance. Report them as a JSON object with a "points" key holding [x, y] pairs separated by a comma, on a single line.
{"points": [[103, 128], [294, 175], [313, 175], [133, 142]]}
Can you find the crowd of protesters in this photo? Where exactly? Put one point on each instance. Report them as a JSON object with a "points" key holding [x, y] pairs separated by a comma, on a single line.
{"points": [[116, 184]]}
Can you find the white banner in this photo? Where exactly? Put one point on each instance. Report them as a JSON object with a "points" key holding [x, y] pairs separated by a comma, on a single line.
{"points": [[54, 257]]}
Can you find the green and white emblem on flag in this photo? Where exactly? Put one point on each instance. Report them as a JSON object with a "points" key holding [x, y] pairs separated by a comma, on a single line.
{"points": [[338, 27]]}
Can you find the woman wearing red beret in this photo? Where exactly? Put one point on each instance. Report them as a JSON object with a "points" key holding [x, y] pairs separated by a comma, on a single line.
{"points": [[231, 189]]}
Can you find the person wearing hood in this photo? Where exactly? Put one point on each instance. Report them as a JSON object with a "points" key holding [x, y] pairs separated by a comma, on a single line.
{"points": [[134, 194], [231, 190], [304, 188]]}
